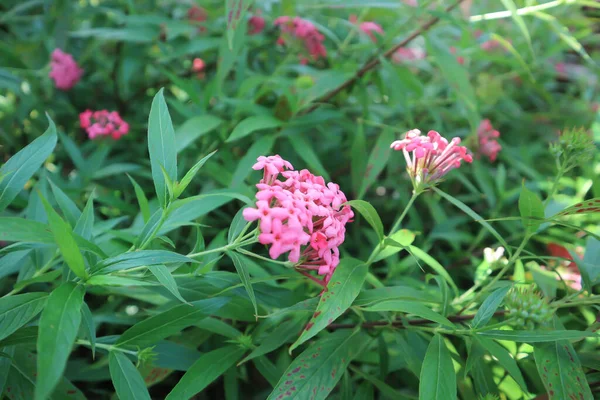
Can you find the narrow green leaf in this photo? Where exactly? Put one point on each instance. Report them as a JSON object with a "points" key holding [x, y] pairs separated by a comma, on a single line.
{"points": [[536, 336], [17, 310], [260, 147], [358, 167], [235, 14], [489, 307], [304, 149], [25, 335], [126, 379], [59, 324], [163, 275], [85, 224], [344, 286], [194, 128], [438, 380], [531, 209], [5, 364], [21, 167], [139, 258], [512, 7], [181, 186], [151, 330], [410, 307], [90, 327], [377, 160], [67, 206], [45, 277], [141, 199], [63, 235], [208, 368], [169, 183], [393, 244], [590, 206], [240, 267], [505, 359], [315, 372], [161, 146], [237, 226], [369, 214], [253, 124], [436, 266], [111, 280]]}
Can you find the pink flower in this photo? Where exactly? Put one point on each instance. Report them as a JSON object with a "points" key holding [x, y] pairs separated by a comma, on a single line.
{"points": [[305, 32], [561, 69], [368, 28], [411, 3], [103, 123], [487, 135], [404, 54], [299, 214], [198, 66], [490, 45], [460, 59], [432, 156], [256, 25], [196, 15], [64, 70]]}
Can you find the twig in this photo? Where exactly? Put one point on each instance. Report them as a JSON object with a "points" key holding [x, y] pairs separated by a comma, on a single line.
{"points": [[375, 61], [400, 324]]}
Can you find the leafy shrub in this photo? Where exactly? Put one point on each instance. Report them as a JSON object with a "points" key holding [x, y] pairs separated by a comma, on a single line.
{"points": [[232, 201]]}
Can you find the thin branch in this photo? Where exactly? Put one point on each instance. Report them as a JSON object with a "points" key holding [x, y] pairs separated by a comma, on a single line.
{"points": [[375, 61], [401, 324]]}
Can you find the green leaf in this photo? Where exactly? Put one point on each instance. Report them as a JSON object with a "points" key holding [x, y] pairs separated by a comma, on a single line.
{"points": [[238, 223], [90, 327], [560, 369], [63, 235], [21, 167], [410, 307], [369, 214], [377, 160], [393, 244], [344, 286], [163, 275], [584, 207], [194, 128], [438, 380], [181, 186], [260, 147], [304, 149], [512, 7], [240, 267], [436, 266], [5, 364], [26, 335], [141, 199], [316, 371], [67, 206], [85, 224], [59, 325], [536, 336], [208, 368], [489, 307], [111, 280], [253, 124], [531, 209], [358, 166], [17, 310], [45, 277], [505, 359], [126, 379], [235, 14], [161, 146], [137, 259], [151, 330], [133, 34]]}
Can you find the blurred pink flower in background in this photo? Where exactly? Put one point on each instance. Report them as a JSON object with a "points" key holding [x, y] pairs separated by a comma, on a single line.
{"points": [[256, 24], [304, 31], [567, 268], [487, 135], [412, 3], [103, 123], [368, 28], [198, 66], [460, 59], [196, 15], [64, 70], [404, 54]]}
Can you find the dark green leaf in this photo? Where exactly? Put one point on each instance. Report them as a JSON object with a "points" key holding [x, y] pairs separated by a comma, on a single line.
{"points": [[194, 128], [141, 199], [126, 379], [163, 275], [410, 307], [505, 359], [280, 335], [536, 336], [304, 149], [242, 270], [489, 307], [67, 206], [181, 186], [90, 327], [85, 224], [253, 124], [17, 310], [244, 167], [377, 160], [137, 259], [438, 380], [369, 214]]}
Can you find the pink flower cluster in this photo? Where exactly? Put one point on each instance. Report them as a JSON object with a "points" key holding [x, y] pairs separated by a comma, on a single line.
{"points": [[64, 70], [305, 32], [432, 156], [103, 123], [196, 15], [299, 214], [404, 54], [487, 135], [256, 24], [368, 27]]}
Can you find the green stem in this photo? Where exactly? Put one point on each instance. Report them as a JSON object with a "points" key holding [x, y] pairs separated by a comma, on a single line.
{"points": [[251, 254], [406, 208], [580, 302], [108, 347], [221, 249], [37, 273], [552, 191]]}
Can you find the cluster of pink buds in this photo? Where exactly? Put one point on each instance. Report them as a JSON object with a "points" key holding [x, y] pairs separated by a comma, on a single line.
{"points": [[432, 156], [304, 31], [487, 135], [256, 24], [406, 54], [368, 28], [196, 15], [64, 70], [301, 214], [103, 123]]}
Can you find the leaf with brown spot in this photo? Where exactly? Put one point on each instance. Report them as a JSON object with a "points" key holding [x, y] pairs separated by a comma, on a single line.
{"points": [[585, 207]]}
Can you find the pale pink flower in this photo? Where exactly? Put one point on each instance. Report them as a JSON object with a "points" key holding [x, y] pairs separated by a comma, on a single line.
{"points": [[103, 123], [256, 25], [411, 3], [299, 214], [432, 156], [488, 143], [305, 32], [64, 70], [368, 28], [404, 54]]}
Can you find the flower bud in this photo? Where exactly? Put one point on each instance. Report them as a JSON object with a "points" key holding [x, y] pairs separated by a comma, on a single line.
{"points": [[529, 308]]}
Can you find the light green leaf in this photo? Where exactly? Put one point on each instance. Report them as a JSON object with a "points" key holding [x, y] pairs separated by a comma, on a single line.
{"points": [[21, 167], [181, 186], [316, 371], [344, 286], [489, 307], [17, 310], [194, 128], [536, 336], [253, 124], [505, 359], [438, 380], [240, 267], [59, 325], [410, 307], [398, 241], [45, 277], [436, 266], [141, 199], [531, 209], [235, 14], [208, 368], [25, 335], [370, 215], [163, 275], [63, 235], [161, 146], [151, 330], [126, 379]]}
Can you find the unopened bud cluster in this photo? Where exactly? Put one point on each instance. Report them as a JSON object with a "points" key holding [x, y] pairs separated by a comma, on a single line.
{"points": [[529, 308], [574, 147]]}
